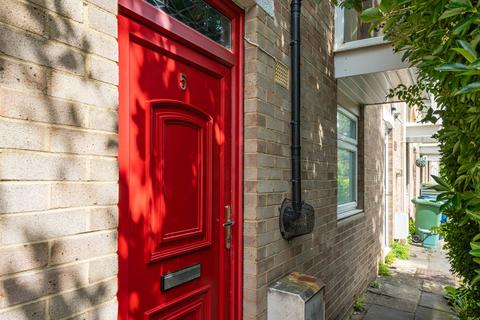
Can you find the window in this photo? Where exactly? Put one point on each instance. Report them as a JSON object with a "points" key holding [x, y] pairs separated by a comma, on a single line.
{"points": [[347, 136], [355, 28], [199, 15], [349, 27]]}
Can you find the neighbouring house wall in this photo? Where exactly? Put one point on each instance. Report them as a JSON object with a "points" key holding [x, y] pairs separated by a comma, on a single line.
{"points": [[373, 175], [58, 168], [414, 184], [343, 254], [397, 167]]}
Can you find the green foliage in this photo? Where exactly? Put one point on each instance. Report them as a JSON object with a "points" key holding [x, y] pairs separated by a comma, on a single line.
{"points": [[390, 258], [421, 162], [463, 302], [375, 284], [383, 270], [359, 304], [441, 39], [400, 251], [349, 4], [411, 227]]}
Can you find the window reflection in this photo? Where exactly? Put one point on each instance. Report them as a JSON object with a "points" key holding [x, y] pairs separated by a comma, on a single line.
{"points": [[355, 28], [199, 15]]}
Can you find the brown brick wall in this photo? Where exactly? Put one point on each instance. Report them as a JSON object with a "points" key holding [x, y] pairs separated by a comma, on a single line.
{"points": [[58, 168], [342, 253]]}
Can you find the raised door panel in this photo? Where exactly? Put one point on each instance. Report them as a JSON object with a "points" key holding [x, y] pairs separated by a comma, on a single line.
{"points": [[181, 166], [193, 306]]}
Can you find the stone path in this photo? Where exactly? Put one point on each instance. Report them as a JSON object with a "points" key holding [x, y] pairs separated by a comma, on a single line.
{"points": [[414, 291]]}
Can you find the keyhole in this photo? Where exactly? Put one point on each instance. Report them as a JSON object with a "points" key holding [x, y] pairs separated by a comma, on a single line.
{"points": [[183, 81]]}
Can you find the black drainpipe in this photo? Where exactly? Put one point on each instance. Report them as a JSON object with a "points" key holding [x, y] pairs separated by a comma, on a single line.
{"points": [[296, 217]]}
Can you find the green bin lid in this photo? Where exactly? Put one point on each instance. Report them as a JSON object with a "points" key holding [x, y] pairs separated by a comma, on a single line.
{"points": [[427, 202]]}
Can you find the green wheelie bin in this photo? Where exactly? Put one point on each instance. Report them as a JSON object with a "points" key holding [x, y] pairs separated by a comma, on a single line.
{"points": [[427, 215]]}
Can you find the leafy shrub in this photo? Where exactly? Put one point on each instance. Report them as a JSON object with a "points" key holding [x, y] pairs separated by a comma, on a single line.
{"points": [[390, 258], [411, 230], [359, 304], [384, 270], [400, 251], [463, 302], [411, 227]]}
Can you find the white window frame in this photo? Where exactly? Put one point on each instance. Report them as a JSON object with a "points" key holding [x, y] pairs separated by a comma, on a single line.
{"points": [[339, 41], [346, 143]]}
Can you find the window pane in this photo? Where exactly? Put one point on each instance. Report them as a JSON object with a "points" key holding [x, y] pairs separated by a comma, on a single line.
{"points": [[346, 176], [199, 15], [355, 28], [346, 126]]}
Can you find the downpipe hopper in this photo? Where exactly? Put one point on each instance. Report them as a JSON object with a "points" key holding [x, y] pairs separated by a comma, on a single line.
{"points": [[296, 222], [296, 217]]}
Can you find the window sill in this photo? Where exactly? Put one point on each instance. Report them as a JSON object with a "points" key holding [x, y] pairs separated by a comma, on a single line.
{"points": [[349, 214]]}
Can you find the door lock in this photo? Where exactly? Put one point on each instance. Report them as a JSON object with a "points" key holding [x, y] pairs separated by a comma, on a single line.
{"points": [[228, 226]]}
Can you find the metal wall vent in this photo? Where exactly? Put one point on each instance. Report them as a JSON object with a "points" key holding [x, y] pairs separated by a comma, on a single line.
{"points": [[282, 74]]}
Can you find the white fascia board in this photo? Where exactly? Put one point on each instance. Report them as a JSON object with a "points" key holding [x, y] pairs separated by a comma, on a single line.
{"points": [[429, 150], [367, 59]]}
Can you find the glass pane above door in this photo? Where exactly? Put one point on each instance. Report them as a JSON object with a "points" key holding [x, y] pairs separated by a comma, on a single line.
{"points": [[201, 16]]}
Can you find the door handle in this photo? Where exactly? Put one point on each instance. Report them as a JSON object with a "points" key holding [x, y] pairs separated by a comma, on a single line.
{"points": [[228, 226]]}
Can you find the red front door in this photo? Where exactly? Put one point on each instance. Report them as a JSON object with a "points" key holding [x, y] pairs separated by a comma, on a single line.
{"points": [[179, 256]]}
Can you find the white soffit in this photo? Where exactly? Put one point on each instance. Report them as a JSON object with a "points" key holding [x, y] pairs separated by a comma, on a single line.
{"points": [[421, 132], [372, 88], [367, 69]]}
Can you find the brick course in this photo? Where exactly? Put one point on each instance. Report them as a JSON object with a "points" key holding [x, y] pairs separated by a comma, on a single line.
{"points": [[58, 168]]}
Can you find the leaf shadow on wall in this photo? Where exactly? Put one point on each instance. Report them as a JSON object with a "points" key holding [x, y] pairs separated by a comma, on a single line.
{"points": [[30, 282]]}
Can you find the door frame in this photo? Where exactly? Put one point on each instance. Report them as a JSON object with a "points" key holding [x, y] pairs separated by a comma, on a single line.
{"points": [[233, 58]]}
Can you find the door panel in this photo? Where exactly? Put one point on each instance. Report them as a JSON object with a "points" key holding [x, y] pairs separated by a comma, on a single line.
{"points": [[179, 139], [195, 306], [182, 140]]}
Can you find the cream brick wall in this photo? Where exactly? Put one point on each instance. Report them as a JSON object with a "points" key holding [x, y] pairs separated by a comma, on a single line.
{"points": [[58, 168]]}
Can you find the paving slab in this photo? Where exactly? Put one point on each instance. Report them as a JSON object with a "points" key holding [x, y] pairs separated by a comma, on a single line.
{"points": [[439, 262], [433, 287], [414, 291], [376, 312], [400, 278], [435, 276], [403, 292], [390, 302], [423, 313], [434, 301]]}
